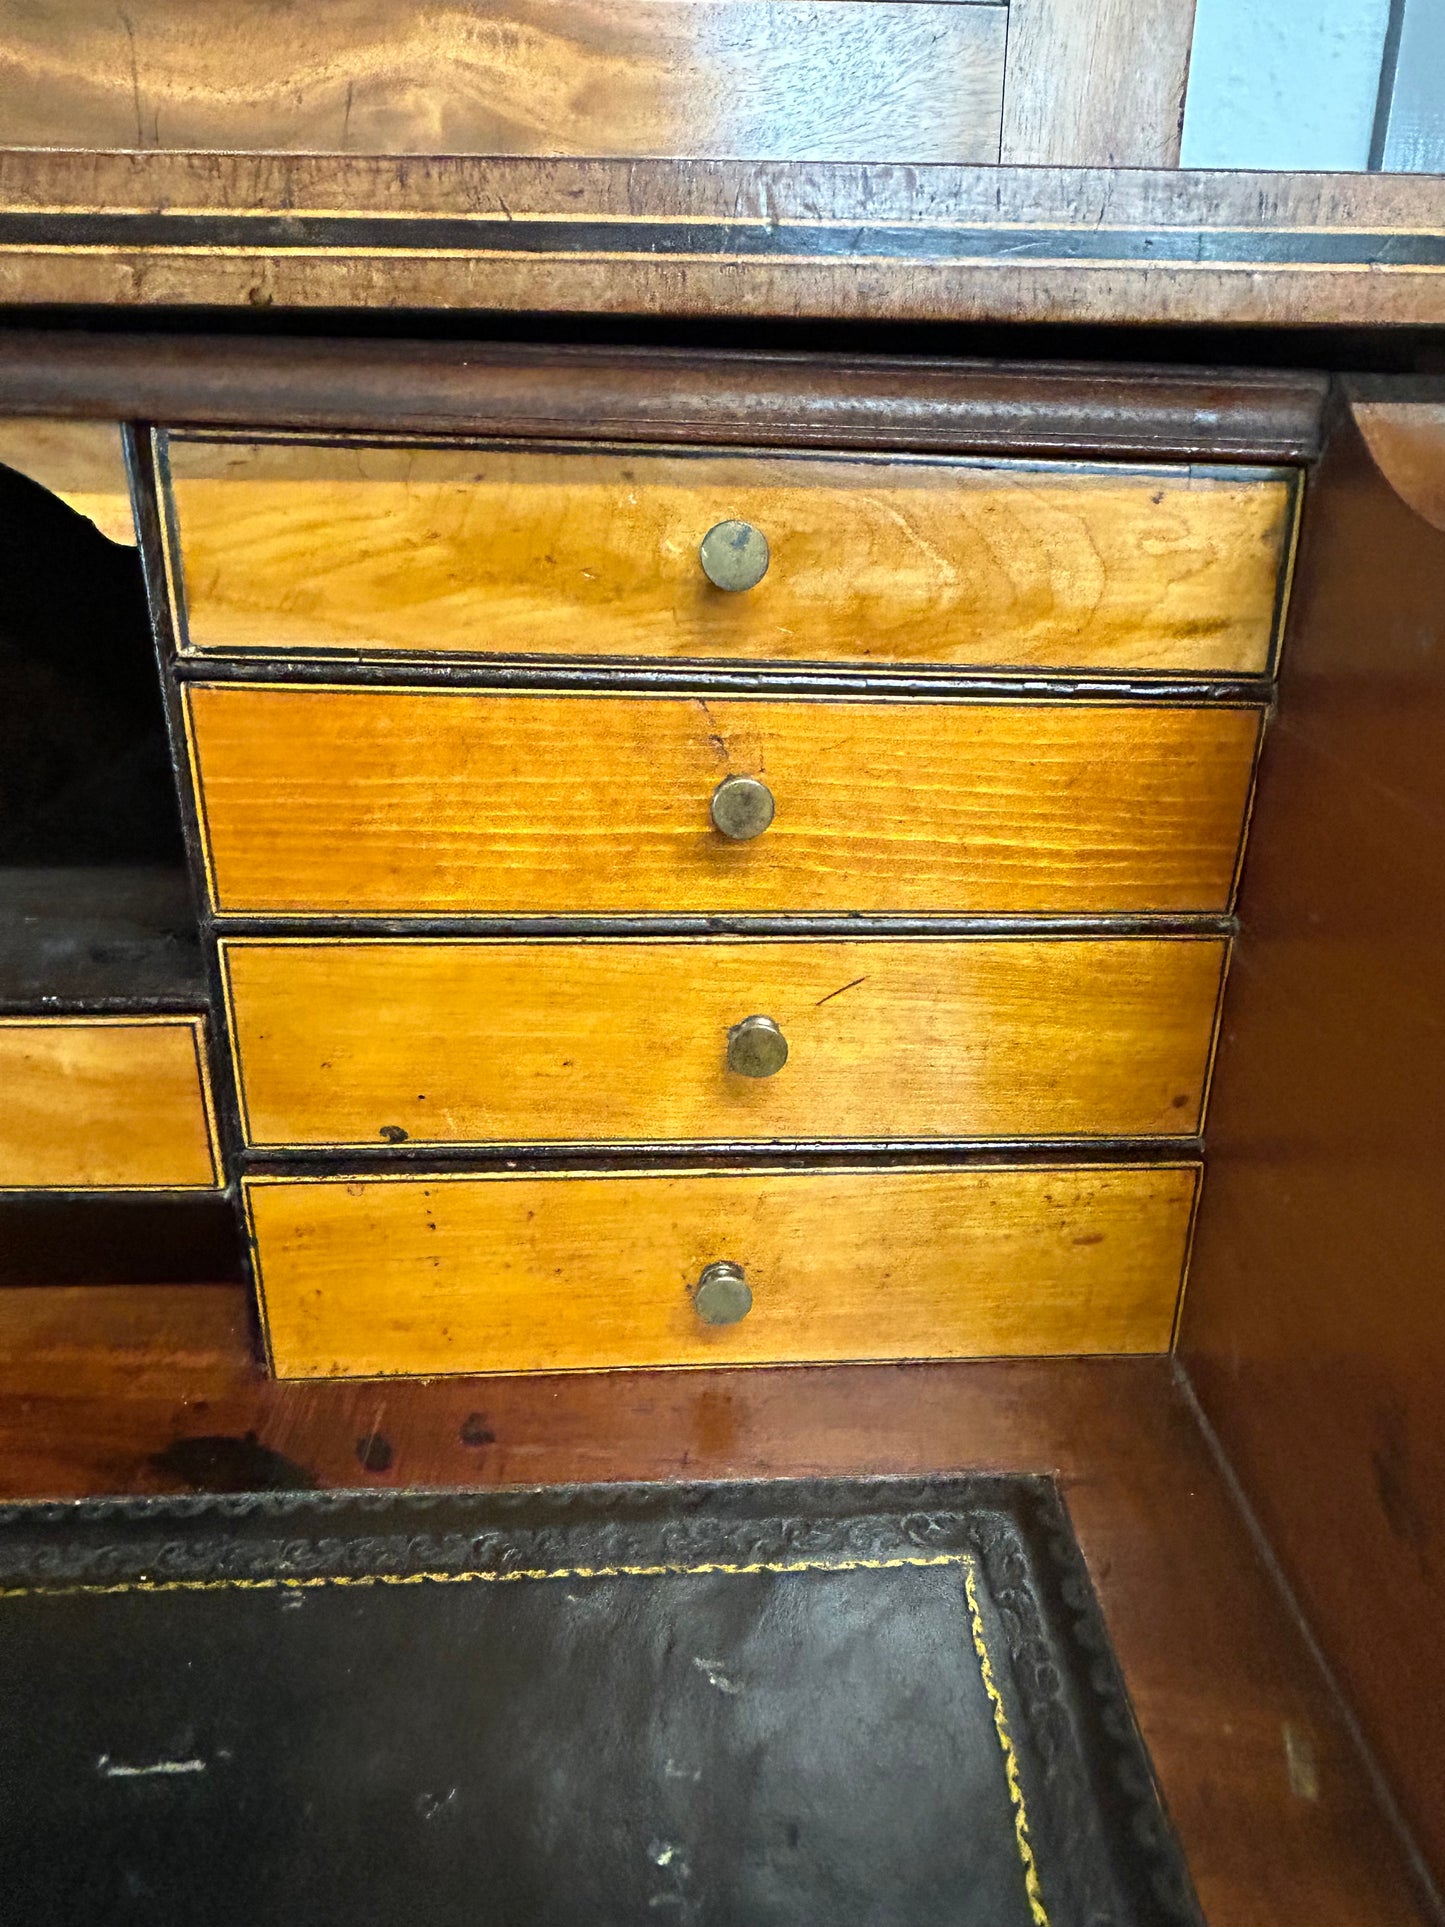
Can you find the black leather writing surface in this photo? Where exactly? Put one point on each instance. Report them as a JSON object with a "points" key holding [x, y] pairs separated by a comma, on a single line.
{"points": [[756, 1705]]}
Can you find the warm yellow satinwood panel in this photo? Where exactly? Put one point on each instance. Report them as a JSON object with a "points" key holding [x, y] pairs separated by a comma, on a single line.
{"points": [[463, 801], [904, 560], [96, 1103], [365, 1276], [449, 1041]]}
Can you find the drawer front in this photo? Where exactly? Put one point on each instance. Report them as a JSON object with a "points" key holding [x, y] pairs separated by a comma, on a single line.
{"points": [[371, 1042], [288, 547], [533, 1274], [94, 1103], [363, 801]]}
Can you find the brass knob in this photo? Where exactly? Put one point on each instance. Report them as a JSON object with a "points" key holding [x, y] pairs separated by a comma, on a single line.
{"points": [[722, 1296], [742, 807], [756, 1048], [734, 555]]}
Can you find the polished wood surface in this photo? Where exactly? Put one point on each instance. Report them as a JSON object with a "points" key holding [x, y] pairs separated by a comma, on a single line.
{"points": [[105, 1103], [1315, 1319], [1096, 83], [135, 1390], [450, 802], [587, 393], [447, 1041], [730, 238], [573, 1273], [81, 462], [848, 80], [289, 547]]}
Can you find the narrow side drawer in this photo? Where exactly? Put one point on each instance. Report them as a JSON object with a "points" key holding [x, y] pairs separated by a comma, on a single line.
{"points": [[106, 1103]]}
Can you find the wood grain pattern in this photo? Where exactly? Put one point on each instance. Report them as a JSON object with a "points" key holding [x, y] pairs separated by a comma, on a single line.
{"points": [[536, 1274], [81, 462], [760, 239], [783, 79], [136, 1390], [1096, 83], [454, 1042], [1314, 1327], [450, 802], [288, 547], [105, 1103]]}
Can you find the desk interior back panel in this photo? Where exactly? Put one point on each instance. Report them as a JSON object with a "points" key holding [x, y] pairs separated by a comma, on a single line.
{"points": [[289, 547], [363, 1276], [105, 1103], [456, 1042], [409, 802]]}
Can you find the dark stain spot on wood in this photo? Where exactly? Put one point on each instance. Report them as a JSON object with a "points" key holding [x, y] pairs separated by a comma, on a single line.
{"points": [[1395, 1484], [221, 1462], [476, 1431], [1178, 1103], [374, 1452], [1089, 1238], [394, 1134]]}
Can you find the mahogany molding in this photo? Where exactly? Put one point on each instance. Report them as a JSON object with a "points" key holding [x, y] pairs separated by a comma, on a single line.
{"points": [[662, 395]]}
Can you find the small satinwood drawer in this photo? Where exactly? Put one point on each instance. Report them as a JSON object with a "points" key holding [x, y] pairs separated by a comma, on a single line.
{"points": [[105, 1103], [524, 1273], [456, 1042], [285, 547], [338, 801]]}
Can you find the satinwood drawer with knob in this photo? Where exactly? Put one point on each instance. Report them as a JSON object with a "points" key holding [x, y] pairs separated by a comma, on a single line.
{"points": [[363, 1274], [280, 547], [449, 1042], [390, 801]]}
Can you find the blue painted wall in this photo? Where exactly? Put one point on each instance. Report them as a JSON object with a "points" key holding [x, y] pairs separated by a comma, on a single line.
{"points": [[1283, 83]]}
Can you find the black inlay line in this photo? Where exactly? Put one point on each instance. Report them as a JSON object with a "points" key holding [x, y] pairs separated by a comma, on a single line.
{"points": [[617, 676], [416, 1161], [838, 240], [302, 927]]}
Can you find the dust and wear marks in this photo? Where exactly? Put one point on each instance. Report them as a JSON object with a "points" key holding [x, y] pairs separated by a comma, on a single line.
{"points": [[674, 1770], [839, 992], [671, 1861], [431, 1806], [712, 1671], [110, 1769], [476, 1431], [1301, 1762]]}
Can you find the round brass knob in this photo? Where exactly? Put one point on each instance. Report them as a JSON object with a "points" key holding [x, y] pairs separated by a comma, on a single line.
{"points": [[742, 807], [722, 1296], [734, 555], [756, 1048]]}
